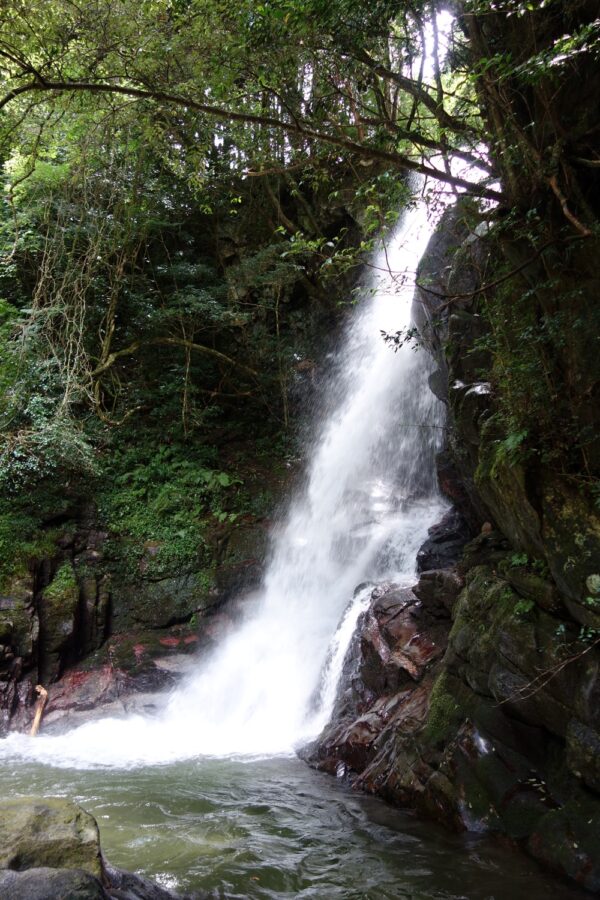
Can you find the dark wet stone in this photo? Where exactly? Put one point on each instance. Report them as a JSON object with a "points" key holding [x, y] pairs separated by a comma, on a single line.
{"points": [[439, 587], [51, 884], [445, 542]]}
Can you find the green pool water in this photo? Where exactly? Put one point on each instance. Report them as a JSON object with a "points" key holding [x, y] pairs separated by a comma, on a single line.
{"points": [[273, 828]]}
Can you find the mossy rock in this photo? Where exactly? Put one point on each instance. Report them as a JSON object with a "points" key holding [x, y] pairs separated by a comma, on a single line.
{"points": [[241, 564], [159, 604], [572, 537], [19, 588], [534, 587], [48, 832], [57, 612], [444, 714], [567, 841], [471, 406], [502, 485], [484, 550], [485, 602], [499, 644], [19, 627]]}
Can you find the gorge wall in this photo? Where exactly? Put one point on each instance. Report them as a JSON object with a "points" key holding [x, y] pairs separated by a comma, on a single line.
{"points": [[473, 697]]}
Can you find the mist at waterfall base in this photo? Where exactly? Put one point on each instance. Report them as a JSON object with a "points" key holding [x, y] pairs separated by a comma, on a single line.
{"points": [[368, 497]]}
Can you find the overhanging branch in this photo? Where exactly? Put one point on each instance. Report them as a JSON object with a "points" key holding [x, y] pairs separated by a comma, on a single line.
{"points": [[364, 151], [132, 349]]}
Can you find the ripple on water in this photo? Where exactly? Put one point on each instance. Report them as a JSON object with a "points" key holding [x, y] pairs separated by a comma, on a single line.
{"points": [[274, 829]]}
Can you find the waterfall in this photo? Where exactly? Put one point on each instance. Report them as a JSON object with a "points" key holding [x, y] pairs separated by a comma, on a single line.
{"points": [[360, 514]]}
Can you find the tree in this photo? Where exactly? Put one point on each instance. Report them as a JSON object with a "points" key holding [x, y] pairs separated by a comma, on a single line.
{"points": [[105, 107], [272, 83]]}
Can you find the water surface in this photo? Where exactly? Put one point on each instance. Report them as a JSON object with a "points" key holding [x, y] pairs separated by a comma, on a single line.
{"points": [[273, 828]]}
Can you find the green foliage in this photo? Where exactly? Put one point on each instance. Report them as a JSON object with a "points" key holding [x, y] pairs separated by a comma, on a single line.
{"points": [[163, 503], [50, 448], [562, 52], [21, 541], [63, 586], [588, 635], [523, 607], [519, 559]]}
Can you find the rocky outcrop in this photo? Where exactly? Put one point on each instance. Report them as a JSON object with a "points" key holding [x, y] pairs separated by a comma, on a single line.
{"points": [[50, 850], [81, 601], [19, 633], [511, 735], [126, 674], [460, 701], [389, 670], [500, 730]]}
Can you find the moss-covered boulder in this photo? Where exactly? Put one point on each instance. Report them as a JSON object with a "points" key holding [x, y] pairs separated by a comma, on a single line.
{"points": [[50, 850], [48, 832]]}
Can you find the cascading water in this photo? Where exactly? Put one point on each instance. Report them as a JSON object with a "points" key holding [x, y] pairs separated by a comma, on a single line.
{"points": [[362, 512]]}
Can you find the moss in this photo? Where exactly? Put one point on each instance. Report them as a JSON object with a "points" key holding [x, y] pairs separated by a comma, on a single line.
{"points": [[205, 580], [444, 714], [21, 541], [490, 601], [62, 586]]}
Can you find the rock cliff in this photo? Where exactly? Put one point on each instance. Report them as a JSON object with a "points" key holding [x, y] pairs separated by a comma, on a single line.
{"points": [[474, 698]]}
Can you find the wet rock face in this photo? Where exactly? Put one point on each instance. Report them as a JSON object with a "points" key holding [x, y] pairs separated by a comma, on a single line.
{"points": [[128, 674], [445, 542], [79, 602], [19, 635], [397, 641]]}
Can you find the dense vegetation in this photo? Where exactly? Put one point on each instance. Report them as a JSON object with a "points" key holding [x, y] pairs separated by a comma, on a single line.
{"points": [[189, 191], [188, 188]]}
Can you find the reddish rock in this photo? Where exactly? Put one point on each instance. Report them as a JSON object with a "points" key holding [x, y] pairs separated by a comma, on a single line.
{"points": [[385, 684], [169, 641], [139, 650]]}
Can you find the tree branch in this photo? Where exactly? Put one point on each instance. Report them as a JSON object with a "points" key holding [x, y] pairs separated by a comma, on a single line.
{"points": [[416, 90], [396, 160], [170, 341]]}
